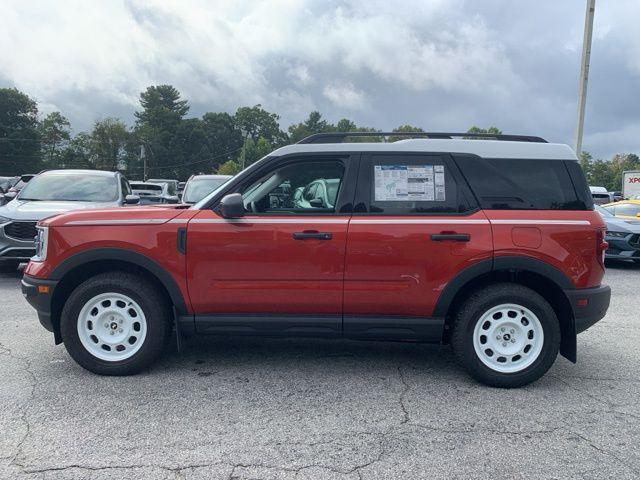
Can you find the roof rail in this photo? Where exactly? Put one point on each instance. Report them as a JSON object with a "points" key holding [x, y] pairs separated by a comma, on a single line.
{"points": [[339, 137]]}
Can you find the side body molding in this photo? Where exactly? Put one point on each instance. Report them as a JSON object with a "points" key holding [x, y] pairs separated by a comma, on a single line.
{"points": [[129, 256]]}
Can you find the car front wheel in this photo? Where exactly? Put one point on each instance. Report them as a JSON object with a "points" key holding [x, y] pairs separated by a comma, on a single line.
{"points": [[115, 323], [506, 335]]}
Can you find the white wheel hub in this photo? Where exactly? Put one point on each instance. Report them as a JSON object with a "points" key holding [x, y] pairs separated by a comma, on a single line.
{"points": [[508, 338], [112, 327]]}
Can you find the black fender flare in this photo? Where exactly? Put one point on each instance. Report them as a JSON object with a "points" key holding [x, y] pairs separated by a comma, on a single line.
{"points": [[129, 256], [568, 347]]}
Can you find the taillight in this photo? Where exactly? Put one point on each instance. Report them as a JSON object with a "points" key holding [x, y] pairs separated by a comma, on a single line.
{"points": [[601, 245]]}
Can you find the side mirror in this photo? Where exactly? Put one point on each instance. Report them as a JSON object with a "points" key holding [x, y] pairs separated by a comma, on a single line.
{"points": [[232, 206], [132, 200], [316, 203], [173, 199]]}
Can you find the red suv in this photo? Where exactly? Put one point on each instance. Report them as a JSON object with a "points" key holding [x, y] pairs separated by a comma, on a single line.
{"points": [[488, 244]]}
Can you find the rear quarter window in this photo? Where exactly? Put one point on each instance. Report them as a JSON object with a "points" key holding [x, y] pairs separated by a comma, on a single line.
{"points": [[521, 184]]}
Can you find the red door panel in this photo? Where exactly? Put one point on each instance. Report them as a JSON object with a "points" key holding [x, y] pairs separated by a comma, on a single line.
{"points": [[254, 265], [393, 266]]}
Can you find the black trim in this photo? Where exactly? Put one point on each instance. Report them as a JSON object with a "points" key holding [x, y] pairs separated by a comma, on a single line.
{"points": [[535, 266], [266, 325], [129, 256], [40, 301], [339, 137], [597, 303], [424, 329], [182, 240], [457, 283]]}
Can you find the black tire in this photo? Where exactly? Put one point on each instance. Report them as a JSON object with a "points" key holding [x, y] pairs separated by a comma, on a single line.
{"points": [[481, 302], [154, 306]]}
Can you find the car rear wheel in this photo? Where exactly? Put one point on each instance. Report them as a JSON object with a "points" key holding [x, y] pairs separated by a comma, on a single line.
{"points": [[506, 335], [115, 323]]}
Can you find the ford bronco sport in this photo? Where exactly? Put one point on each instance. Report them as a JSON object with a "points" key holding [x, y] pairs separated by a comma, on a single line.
{"points": [[489, 244]]}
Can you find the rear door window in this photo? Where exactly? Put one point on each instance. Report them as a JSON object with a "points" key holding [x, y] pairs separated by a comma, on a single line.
{"points": [[520, 184], [405, 184]]}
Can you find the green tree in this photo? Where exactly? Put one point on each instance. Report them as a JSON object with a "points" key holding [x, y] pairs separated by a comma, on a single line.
{"points": [[19, 133], [108, 144], [313, 124], [224, 138], [253, 151], [404, 129], [162, 105], [492, 130], [77, 152], [229, 168], [55, 133], [256, 122], [158, 129]]}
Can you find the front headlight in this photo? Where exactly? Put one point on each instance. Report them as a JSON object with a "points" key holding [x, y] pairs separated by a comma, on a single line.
{"points": [[616, 234], [42, 239]]}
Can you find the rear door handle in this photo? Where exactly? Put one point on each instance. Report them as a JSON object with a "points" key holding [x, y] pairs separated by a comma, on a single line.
{"points": [[312, 234], [453, 237]]}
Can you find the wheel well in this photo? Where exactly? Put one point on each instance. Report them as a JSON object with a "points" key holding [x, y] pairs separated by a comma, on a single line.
{"points": [[80, 273], [539, 283]]}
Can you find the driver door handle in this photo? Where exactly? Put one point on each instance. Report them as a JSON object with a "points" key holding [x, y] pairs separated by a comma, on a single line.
{"points": [[452, 237], [312, 234]]}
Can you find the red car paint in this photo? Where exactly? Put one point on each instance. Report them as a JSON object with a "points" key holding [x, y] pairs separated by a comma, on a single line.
{"points": [[374, 265]]}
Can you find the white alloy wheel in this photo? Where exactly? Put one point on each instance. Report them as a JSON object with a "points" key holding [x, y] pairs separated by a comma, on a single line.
{"points": [[508, 338], [112, 327]]}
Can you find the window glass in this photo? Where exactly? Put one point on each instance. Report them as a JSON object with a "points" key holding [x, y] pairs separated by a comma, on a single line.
{"points": [[71, 187], [199, 187], [505, 184], [406, 184], [296, 188], [126, 189], [627, 209]]}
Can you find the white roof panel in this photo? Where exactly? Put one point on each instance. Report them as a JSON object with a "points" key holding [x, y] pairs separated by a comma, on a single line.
{"points": [[482, 148]]}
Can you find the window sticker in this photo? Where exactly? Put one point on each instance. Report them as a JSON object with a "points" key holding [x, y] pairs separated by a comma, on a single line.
{"points": [[409, 183]]}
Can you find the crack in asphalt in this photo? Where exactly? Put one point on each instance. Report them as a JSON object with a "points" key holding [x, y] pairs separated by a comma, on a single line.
{"points": [[6, 351]]}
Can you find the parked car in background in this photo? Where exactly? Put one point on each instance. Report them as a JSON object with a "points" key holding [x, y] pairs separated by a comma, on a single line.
{"points": [[7, 182], [51, 193], [153, 193], [199, 186], [172, 185], [17, 183], [617, 196], [624, 208], [601, 195], [622, 235]]}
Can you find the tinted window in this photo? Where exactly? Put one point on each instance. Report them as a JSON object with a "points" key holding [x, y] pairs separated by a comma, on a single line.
{"points": [[296, 188], [505, 184], [126, 189], [83, 187], [400, 184]]}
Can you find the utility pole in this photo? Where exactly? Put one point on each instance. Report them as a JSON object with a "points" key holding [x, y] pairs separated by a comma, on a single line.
{"points": [[584, 73], [143, 157]]}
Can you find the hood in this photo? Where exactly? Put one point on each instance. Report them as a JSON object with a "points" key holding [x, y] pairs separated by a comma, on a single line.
{"points": [[18, 209], [617, 224], [129, 215]]}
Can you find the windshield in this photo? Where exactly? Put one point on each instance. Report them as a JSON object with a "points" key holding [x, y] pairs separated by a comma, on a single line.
{"points": [[198, 188], [603, 211], [71, 187]]}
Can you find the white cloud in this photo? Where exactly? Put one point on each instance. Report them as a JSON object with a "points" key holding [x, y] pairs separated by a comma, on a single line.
{"points": [[345, 95], [433, 63]]}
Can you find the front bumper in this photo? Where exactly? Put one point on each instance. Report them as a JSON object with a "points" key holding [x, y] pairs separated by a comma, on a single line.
{"points": [[39, 294], [627, 248], [589, 305]]}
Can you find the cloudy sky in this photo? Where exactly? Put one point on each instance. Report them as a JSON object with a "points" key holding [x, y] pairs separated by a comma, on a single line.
{"points": [[438, 64]]}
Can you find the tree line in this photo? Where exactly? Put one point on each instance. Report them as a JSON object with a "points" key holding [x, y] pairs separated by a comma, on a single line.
{"points": [[165, 142]]}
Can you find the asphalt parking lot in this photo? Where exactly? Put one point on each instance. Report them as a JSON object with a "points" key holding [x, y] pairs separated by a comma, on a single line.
{"points": [[264, 408]]}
